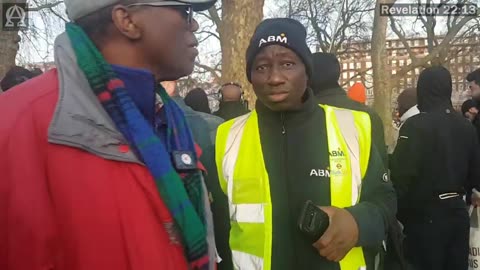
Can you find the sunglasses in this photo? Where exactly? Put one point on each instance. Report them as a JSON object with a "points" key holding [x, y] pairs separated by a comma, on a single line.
{"points": [[185, 10]]}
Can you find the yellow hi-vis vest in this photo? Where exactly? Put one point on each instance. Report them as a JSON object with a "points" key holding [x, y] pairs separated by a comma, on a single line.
{"points": [[244, 179]]}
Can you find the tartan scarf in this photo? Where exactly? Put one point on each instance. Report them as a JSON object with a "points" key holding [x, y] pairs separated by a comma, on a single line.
{"points": [[183, 197]]}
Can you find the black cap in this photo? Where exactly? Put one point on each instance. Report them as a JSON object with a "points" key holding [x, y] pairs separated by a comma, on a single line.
{"points": [[285, 32]]}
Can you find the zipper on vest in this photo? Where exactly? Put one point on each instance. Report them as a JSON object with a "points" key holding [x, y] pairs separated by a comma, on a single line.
{"points": [[282, 118]]}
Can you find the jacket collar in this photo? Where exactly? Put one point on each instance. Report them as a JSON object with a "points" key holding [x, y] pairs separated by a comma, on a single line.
{"points": [[409, 113], [79, 119], [306, 110]]}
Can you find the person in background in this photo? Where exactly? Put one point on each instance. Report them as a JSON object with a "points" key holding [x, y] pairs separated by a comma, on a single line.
{"points": [[434, 164], [406, 108], [473, 79], [470, 110], [290, 150], [327, 90], [197, 99], [358, 93], [203, 127], [15, 76], [407, 104], [231, 102], [99, 169]]}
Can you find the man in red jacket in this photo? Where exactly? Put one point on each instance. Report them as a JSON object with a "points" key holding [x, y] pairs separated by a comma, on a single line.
{"points": [[98, 170]]}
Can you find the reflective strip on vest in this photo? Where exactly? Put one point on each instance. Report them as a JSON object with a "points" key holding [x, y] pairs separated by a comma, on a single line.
{"points": [[244, 179], [346, 168], [247, 187]]}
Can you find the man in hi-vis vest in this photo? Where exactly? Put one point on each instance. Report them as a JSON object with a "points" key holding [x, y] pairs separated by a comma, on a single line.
{"points": [[289, 150]]}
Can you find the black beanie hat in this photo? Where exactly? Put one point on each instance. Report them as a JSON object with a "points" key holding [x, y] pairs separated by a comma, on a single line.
{"points": [[285, 32]]}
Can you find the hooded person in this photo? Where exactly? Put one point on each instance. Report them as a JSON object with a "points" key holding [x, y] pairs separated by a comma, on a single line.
{"points": [[99, 167], [289, 151], [231, 101], [434, 164], [325, 86], [197, 99]]}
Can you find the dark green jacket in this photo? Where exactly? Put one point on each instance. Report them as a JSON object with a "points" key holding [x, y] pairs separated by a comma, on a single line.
{"points": [[290, 157], [203, 127]]}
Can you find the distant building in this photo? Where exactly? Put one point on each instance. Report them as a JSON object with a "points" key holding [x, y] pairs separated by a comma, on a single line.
{"points": [[463, 58]]}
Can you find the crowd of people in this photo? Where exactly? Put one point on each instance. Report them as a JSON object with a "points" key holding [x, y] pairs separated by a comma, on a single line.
{"points": [[105, 166]]}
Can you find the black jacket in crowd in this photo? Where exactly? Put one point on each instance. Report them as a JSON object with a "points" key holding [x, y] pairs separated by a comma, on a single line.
{"points": [[295, 143], [437, 152], [476, 124]]}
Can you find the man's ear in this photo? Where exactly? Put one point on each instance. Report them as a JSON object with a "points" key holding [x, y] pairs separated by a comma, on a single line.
{"points": [[123, 21]]}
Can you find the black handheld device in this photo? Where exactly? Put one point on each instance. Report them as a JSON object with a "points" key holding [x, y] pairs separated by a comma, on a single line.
{"points": [[313, 222]]}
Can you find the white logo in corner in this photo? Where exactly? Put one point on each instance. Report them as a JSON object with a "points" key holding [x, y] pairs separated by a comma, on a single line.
{"points": [[282, 38]]}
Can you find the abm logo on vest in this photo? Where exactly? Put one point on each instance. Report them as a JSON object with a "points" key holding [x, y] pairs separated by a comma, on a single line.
{"points": [[337, 153], [320, 172]]}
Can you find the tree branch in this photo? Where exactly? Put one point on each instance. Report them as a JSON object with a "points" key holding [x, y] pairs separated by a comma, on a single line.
{"points": [[212, 71], [45, 6], [58, 15], [215, 18], [402, 38], [312, 17], [209, 33], [358, 74], [206, 15], [435, 52]]}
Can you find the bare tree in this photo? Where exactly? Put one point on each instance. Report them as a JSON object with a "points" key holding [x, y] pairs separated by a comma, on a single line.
{"points": [[381, 75], [442, 34], [235, 23], [439, 44], [8, 50], [334, 24]]}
